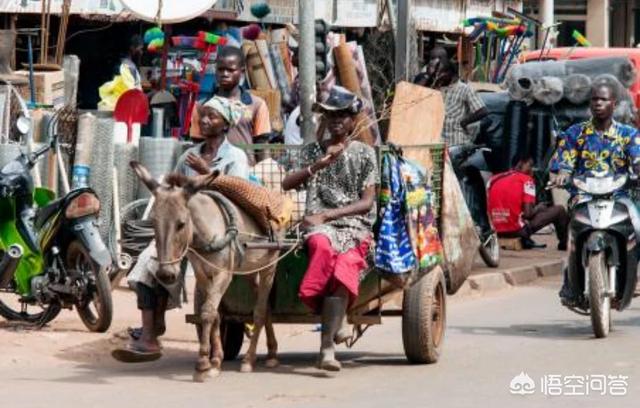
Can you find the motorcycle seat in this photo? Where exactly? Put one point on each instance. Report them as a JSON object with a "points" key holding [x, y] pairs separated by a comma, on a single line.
{"points": [[46, 212]]}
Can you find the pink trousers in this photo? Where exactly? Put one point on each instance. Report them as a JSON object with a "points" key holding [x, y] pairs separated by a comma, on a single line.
{"points": [[329, 269]]}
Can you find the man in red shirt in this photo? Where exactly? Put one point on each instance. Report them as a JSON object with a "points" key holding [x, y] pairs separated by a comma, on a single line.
{"points": [[513, 210]]}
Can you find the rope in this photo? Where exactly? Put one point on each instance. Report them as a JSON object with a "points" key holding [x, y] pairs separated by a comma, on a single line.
{"points": [[158, 14], [242, 273]]}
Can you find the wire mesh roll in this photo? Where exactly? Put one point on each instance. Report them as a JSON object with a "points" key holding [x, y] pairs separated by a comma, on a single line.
{"points": [[101, 164], [127, 180], [81, 172], [71, 64], [8, 152], [159, 157]]}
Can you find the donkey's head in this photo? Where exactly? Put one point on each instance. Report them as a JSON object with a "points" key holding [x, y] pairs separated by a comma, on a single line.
{"points": [[171, 217]]}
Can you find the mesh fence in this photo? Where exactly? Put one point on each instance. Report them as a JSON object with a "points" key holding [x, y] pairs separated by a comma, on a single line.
{"points": [[274, 161]]}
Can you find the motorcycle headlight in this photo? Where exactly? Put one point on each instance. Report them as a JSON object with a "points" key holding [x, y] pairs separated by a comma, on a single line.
{"points": [[23, 124]]}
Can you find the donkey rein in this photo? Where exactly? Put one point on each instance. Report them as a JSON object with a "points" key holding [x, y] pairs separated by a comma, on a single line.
{"points": [[242, 273]]}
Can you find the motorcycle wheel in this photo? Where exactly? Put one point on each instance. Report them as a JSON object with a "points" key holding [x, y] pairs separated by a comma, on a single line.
{"points": [[16, 310], [13, 308], [490, 250], [96, 312], [599, 302]]}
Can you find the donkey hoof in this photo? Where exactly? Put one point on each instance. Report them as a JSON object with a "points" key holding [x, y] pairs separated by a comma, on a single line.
{"points": [[203, 364], [216, 363], [200, 376], [271, 363], [246, 367]]}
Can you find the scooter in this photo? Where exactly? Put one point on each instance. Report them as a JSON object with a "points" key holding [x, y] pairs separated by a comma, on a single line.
{"points": [[603, 255], [471, 168], [51, 253]]}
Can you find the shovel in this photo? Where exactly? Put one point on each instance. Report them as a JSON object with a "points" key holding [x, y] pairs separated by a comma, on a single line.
{"points": [[132, 107]]}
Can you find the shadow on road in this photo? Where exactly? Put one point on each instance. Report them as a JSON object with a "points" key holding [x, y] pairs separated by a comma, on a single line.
{"points": [[578, 329], [94, 364]]}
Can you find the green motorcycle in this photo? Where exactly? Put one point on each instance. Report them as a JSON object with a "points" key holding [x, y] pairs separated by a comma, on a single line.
{"points": [[51, 252]]}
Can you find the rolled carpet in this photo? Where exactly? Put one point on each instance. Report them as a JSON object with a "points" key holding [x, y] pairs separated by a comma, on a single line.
{"points": [[577, 88], [548, 90]]}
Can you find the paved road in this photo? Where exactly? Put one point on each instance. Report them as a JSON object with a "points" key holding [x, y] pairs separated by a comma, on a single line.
{"points": [[490, 340]]}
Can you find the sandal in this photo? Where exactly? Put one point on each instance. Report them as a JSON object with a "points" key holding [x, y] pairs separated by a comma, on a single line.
{"points": [[134, 353]]}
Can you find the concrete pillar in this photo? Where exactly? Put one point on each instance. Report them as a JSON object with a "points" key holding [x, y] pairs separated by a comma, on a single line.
{"points": [[598, 22], [546, 15]]}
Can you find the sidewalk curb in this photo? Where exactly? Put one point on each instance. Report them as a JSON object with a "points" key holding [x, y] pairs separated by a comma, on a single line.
{"points": [[509, 278]]}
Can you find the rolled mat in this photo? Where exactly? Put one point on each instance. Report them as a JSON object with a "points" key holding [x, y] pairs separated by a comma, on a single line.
{"points": [[286, 59], [624, 110], [101, 165], [268, 208], [620, 67], [281, 74], [256, 70], [159, 157], [348, 76], [365, 85], [521, 89], [577, 88], [263, 51], [274, 104], [548, 90]]}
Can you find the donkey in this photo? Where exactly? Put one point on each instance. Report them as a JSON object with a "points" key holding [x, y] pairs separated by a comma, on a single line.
{"points": [[183, 220]]}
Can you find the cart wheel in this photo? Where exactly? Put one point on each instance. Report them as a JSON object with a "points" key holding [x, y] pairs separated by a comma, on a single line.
{"points": [[424, 318], [231, 332]]}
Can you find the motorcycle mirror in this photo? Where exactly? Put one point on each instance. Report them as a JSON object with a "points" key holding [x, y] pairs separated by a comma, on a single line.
{"points": [[23, 124]]}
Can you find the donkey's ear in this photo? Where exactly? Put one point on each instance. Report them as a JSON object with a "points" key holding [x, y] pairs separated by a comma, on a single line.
{"points": [[144, 175], [198, 183]]}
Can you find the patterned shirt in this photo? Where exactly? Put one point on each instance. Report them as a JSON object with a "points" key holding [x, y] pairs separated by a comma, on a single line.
{"points": [[460, 100], [584, 150], [339, 185]]}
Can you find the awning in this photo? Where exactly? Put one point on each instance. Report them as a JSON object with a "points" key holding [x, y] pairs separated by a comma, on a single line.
{"points": [[347, 13]]}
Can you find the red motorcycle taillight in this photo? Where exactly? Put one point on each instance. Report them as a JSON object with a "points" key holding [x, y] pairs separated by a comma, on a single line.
{"points": [[84, 204]]}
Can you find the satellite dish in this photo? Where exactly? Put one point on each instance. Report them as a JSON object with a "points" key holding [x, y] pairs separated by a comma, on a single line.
{"points": [[173, 11]]}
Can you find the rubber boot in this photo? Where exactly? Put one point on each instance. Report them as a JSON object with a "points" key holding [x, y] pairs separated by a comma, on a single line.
{"points": [[343, 334], [333, 312], [7, 48]]}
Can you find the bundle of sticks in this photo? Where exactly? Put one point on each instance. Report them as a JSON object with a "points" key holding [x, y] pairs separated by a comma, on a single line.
{"points": [[62, 31], [45, 25]]}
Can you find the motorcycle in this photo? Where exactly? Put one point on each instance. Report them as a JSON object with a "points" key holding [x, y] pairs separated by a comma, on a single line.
{"points": [[470, 165], [603, 256], [51, 253]]}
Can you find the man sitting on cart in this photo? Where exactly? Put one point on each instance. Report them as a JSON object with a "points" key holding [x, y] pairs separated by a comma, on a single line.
{"points": [[340, 175]]}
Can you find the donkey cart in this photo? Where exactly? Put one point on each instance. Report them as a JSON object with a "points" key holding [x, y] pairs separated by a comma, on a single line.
{"points": [[423, 308]]}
